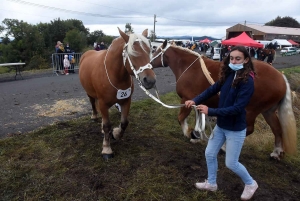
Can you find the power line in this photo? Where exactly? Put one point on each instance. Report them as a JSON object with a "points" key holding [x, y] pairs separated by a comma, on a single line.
{"points": [[122, 16], [69, 11]]}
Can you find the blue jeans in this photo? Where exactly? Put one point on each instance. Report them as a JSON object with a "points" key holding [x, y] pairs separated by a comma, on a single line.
{"points": [[234, 143]]}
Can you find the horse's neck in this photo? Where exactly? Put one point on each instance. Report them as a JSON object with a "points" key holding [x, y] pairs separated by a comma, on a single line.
{"points": [[179, 61]]}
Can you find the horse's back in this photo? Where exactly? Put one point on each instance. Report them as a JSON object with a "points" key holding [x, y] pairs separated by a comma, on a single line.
{"points": [[270, 86]]}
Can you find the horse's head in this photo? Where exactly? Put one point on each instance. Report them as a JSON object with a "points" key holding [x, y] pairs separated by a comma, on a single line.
{"points": [[136, 57], [158, 56]]}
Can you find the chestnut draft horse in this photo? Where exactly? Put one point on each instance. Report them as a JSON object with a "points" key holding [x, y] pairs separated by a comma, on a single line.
{"points": [[106, 77], [271, 98]]}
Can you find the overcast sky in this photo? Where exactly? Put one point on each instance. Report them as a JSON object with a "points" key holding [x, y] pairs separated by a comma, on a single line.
{"points": [[174, 17]]}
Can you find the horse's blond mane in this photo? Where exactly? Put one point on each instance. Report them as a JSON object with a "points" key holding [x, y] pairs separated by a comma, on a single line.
{"points": [[141, 39], [187, 50]]}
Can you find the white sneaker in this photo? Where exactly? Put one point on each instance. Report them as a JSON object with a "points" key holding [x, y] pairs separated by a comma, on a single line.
{"points": [[206, 186], [249, 191], [67, 73]]}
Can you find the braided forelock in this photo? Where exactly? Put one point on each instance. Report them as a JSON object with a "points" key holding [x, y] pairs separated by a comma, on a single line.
{"points": [[142, 41]]}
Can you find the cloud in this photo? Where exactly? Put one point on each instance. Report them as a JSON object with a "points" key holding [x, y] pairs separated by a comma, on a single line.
{"points": [[174, 17]]}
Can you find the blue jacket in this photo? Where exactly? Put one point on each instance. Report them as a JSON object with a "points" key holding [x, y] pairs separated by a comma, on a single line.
{"points": [[231, 113]]}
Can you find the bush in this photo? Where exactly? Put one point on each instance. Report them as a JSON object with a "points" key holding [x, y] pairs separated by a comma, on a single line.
{"points": [[37, 62]]}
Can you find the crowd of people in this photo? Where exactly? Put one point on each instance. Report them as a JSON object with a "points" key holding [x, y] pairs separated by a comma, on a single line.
{"points": [[64, 59], [256, 53], [100, 46]]}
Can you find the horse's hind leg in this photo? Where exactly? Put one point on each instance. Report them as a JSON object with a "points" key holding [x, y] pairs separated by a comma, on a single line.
{"points": [[273, 121], [93, 103], [182, 119], [118, 132]]}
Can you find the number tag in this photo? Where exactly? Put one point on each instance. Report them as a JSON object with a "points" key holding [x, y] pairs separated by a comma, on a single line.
{"points": [[122, 94]]}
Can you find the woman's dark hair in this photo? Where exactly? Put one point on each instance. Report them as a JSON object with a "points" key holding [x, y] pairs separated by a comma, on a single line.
{"points": [[242, 74]]}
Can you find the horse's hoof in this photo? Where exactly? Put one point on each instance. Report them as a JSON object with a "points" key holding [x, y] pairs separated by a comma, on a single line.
{"points": [[195, 135], [107, 156]]}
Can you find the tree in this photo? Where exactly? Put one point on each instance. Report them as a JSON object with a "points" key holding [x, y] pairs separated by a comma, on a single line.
{"points": [[94, 36], [128, 28], [284, 22], [76, 39]]}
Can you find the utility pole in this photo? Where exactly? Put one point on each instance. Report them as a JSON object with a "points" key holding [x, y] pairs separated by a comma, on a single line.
{"points": [[154, 27]]}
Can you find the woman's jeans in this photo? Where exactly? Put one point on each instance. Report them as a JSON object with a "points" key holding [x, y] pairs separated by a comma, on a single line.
{"points": [[234, 143]]}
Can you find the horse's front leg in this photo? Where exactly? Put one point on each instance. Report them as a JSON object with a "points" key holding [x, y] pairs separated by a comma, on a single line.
{"points": [[107, 129], [118, 132]]}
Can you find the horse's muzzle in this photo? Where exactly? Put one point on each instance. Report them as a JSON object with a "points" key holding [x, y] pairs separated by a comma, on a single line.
{"points": [[148, 82]]}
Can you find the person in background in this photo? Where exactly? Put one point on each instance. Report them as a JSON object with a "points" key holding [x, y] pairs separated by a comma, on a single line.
{"points": [[72, 62], [66, 65], [102, 46], [270, 58], [68, 49], [236, 84], [60, 52], [97, 48]]}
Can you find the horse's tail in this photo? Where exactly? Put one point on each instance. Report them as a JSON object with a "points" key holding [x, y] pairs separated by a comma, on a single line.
{"points": [[288, 122]]}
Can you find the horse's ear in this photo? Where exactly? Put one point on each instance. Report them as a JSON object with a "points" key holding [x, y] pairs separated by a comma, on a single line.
{"points": [[124, 35], [145, 33], [165, 44]]}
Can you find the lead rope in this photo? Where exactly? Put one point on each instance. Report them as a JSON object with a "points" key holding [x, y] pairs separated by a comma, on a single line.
{"points": [[200, 118]]}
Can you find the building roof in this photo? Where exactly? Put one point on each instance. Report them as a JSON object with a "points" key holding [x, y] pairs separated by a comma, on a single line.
{"points": [[275, 30]]}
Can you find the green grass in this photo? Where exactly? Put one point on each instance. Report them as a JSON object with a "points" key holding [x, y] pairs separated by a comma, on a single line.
{"points": [[153, 161]]}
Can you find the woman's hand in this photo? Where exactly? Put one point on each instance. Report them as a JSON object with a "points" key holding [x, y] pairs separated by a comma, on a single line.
{"points": [[189, 103], [202, 108]]}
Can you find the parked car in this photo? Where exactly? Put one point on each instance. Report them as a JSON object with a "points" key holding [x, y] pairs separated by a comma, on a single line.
{"points": [[288, 51], [217, 52]]}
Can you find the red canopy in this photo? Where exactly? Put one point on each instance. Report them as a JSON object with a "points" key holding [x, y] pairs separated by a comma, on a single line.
{"points": [[293, 42], [206, 40], [242, 39]]}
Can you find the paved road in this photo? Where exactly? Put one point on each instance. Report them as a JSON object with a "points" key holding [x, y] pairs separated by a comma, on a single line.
{"points": [[42, 99], [34, 102]]}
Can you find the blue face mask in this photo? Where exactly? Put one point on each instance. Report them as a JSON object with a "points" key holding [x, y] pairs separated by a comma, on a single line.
{"points": [[236, 67]]}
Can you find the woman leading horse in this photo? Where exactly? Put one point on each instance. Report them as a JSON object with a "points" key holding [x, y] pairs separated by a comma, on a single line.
{"points": [[271, 98], [106, 77]]}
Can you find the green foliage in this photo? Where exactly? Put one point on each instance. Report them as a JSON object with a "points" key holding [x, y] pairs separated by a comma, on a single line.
{"points": [[94, 36], [37, 62], [76, 39], [284, 22]]}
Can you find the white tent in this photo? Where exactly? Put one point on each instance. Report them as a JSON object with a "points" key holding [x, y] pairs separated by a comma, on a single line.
{"points": [[264, 42], [281, 42]]}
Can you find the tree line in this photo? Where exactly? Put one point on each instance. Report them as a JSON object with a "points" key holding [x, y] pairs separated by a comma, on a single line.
{"points": [[34, 44]]}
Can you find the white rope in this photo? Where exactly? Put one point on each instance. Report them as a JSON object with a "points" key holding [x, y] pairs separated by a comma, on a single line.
{"points": [[186, 69]]}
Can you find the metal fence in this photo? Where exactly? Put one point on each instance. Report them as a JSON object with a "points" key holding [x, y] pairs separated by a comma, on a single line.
{"points": [[58, 62]]}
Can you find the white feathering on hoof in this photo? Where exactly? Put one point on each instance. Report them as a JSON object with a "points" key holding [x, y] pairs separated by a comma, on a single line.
{"points": [[116, 133]]}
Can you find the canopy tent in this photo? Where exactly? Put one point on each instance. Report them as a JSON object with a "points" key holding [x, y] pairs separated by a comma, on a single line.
{"points": [[281, 42], [293, 42], [206, 40], [244, 40]]}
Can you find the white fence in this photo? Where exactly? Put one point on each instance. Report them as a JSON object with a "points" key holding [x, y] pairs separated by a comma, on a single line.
{"points": [[58, 62]]}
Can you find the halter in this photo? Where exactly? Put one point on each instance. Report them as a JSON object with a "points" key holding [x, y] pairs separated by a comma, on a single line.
{"points": [[162, 51], [126, 56]]}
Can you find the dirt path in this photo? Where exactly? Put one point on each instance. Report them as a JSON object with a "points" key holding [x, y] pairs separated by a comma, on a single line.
{"points": [[42, 99]]}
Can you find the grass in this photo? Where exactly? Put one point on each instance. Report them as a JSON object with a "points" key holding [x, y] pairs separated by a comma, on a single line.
{"points": [[153, 161]]}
